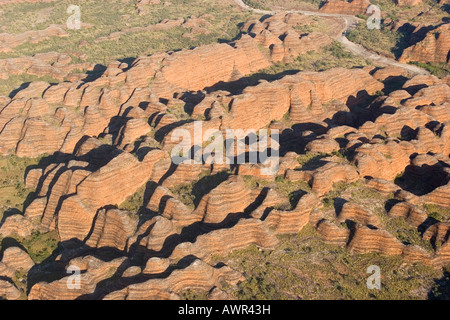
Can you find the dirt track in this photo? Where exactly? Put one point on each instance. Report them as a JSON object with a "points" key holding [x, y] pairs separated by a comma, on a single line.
{"points": [[351, 46]]}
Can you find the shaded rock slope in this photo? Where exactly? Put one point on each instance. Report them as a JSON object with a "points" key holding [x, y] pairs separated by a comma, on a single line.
{"points": [[111, 139]]}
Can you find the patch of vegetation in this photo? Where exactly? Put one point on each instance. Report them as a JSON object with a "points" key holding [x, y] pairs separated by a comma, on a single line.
{"points": [[100, 20], [382, 41], [426, 12], [329, 198], [259, 287], [440, 70], [191, 294], [134, 202], [313, 160], [318, 24], [256, 4], [361, 193], [403, 231], [290, 190], [356, 192], [183, 192], [190, 194], [437, 212], [135, 205], [20, 279], [13, 193], [332, 56], [391, 43], [302, 266], [310, 157], [178, 111], [286, 120], [441, 289], [39, 245], [284, 4]]}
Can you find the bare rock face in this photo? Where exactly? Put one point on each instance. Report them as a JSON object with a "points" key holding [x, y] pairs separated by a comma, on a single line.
{"points": [[346, 7], [438, 235], [438, 196], [156, 236], [258, 105], [393, 157], [388, 72], [9, 41], [102, 181], [303, 95], [417, 254], [197, 276], [324, 177], [164, 201], [16, 259], [407, 2], [16, 225], [56, 65], [434, 48], [408, 117], [9, 291], [323, 145], [442, 255], [437, 94], [337, 84], [229, 197], [244, 57], [51, 122], [156, 266], [111, 139], [393, 124], [277, 33], [367, 240], [92, 271], [354, 212], [112, 228], [413, 215], [332, 233], [383, 186], [244, 233], [71, 202], [290, 222], [438, 232]]}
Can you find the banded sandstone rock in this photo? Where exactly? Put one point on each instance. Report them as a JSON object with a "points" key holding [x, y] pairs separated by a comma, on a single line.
{"points": [[434, 48], [197, 276], [354, 7], [358, 214], [324, 177], [17, 259], [92, 271], [291, 222], [219, 242], [366, 240], [333, 234], [16, 225]]}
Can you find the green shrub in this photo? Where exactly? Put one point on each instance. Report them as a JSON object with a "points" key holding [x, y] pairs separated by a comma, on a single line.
{"points": [[440, 70]]}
